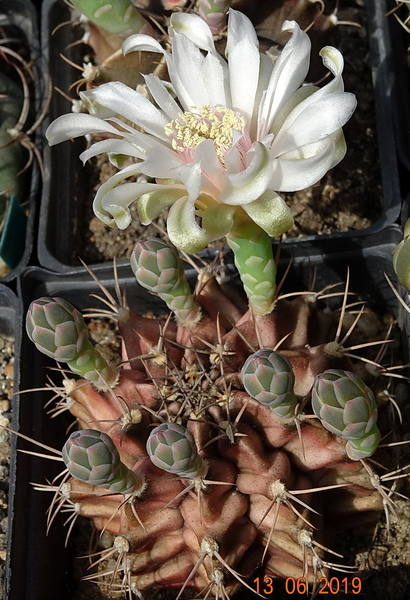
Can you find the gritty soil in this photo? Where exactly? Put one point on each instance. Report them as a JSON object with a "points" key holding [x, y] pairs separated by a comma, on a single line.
{"points": [[6, 394]]}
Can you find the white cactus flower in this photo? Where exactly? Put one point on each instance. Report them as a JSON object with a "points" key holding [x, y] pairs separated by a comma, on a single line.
{"points": [[222, 139]]}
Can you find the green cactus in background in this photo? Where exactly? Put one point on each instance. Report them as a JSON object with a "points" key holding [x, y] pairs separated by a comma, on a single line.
{"points": [[120, 16], [59, 331], [267, 376], [346, 406], [158, 267], [91, 456], [401, 258]]}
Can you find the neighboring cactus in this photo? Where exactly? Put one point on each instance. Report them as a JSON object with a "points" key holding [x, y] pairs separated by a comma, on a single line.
{"points": [[346, 406], [120, 17], [214, 13], [59, 331], [401, 258]]}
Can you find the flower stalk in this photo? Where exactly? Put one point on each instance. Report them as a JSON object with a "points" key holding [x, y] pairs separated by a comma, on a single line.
{"points": [[253, 255]]}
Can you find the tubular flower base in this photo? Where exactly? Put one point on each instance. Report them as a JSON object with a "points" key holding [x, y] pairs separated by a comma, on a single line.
{"points": [[227, 469]]}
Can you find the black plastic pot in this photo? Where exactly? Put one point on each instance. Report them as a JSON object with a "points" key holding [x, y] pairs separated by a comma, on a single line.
{"points": [[23, 18], [41, 567], [64, 196]]}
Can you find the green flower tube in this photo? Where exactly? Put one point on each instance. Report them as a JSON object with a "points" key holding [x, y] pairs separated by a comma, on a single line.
{"points": [[253, 255]]}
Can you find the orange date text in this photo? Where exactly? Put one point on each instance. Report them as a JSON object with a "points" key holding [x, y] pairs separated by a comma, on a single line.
{"points": [[325, 585]]}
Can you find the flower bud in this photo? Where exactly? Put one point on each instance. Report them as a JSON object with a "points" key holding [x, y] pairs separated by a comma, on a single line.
{"points": [[268, 377], [346, 406]]}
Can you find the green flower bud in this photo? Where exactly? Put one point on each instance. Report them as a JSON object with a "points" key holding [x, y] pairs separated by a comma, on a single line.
{"points": [[158, 267], [59, 331], [346, 406], [91, 456], [267, 376], [172, 447]]}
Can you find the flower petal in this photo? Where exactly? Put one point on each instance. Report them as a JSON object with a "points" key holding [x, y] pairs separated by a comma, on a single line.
{"points": [[239, 27], [75, 125], [242, 49], [160, 162], [304, 167], [333, 60], [133, 106], [191, 176], [265, 71], [211, 166], [183, 230], [246, 186], [216, 77], [194, 28], [190, 85], [318, 120], [162, 96], [112, 145], [271, 213], [217, 221], [288, 74], [141, 41], [99, 211], [152, 203]]}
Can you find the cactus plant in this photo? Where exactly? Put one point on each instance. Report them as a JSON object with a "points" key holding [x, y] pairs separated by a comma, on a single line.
{"points": [[210, 456]]}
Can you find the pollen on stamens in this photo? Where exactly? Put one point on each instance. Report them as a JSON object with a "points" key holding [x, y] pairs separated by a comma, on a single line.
{"points": [[209, 123]]}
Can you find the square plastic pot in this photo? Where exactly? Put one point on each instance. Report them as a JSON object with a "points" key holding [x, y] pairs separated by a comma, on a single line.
{"points": [[41, 567], [64, 191], [18, 235]]}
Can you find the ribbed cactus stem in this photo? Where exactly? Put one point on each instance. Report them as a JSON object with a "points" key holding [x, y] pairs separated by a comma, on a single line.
{"points": [[267, 376], [346, 406], [158, 267], [58, 330], [214, 13], [171, 447], [253, 254], [118, 16], [92, 457]]}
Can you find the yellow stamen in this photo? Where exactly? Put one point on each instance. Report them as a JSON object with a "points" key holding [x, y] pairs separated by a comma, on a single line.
{"points": [[216, 124]]}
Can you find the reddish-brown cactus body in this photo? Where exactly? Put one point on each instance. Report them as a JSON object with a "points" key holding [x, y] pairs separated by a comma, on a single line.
{"points": [[256, 465]]}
